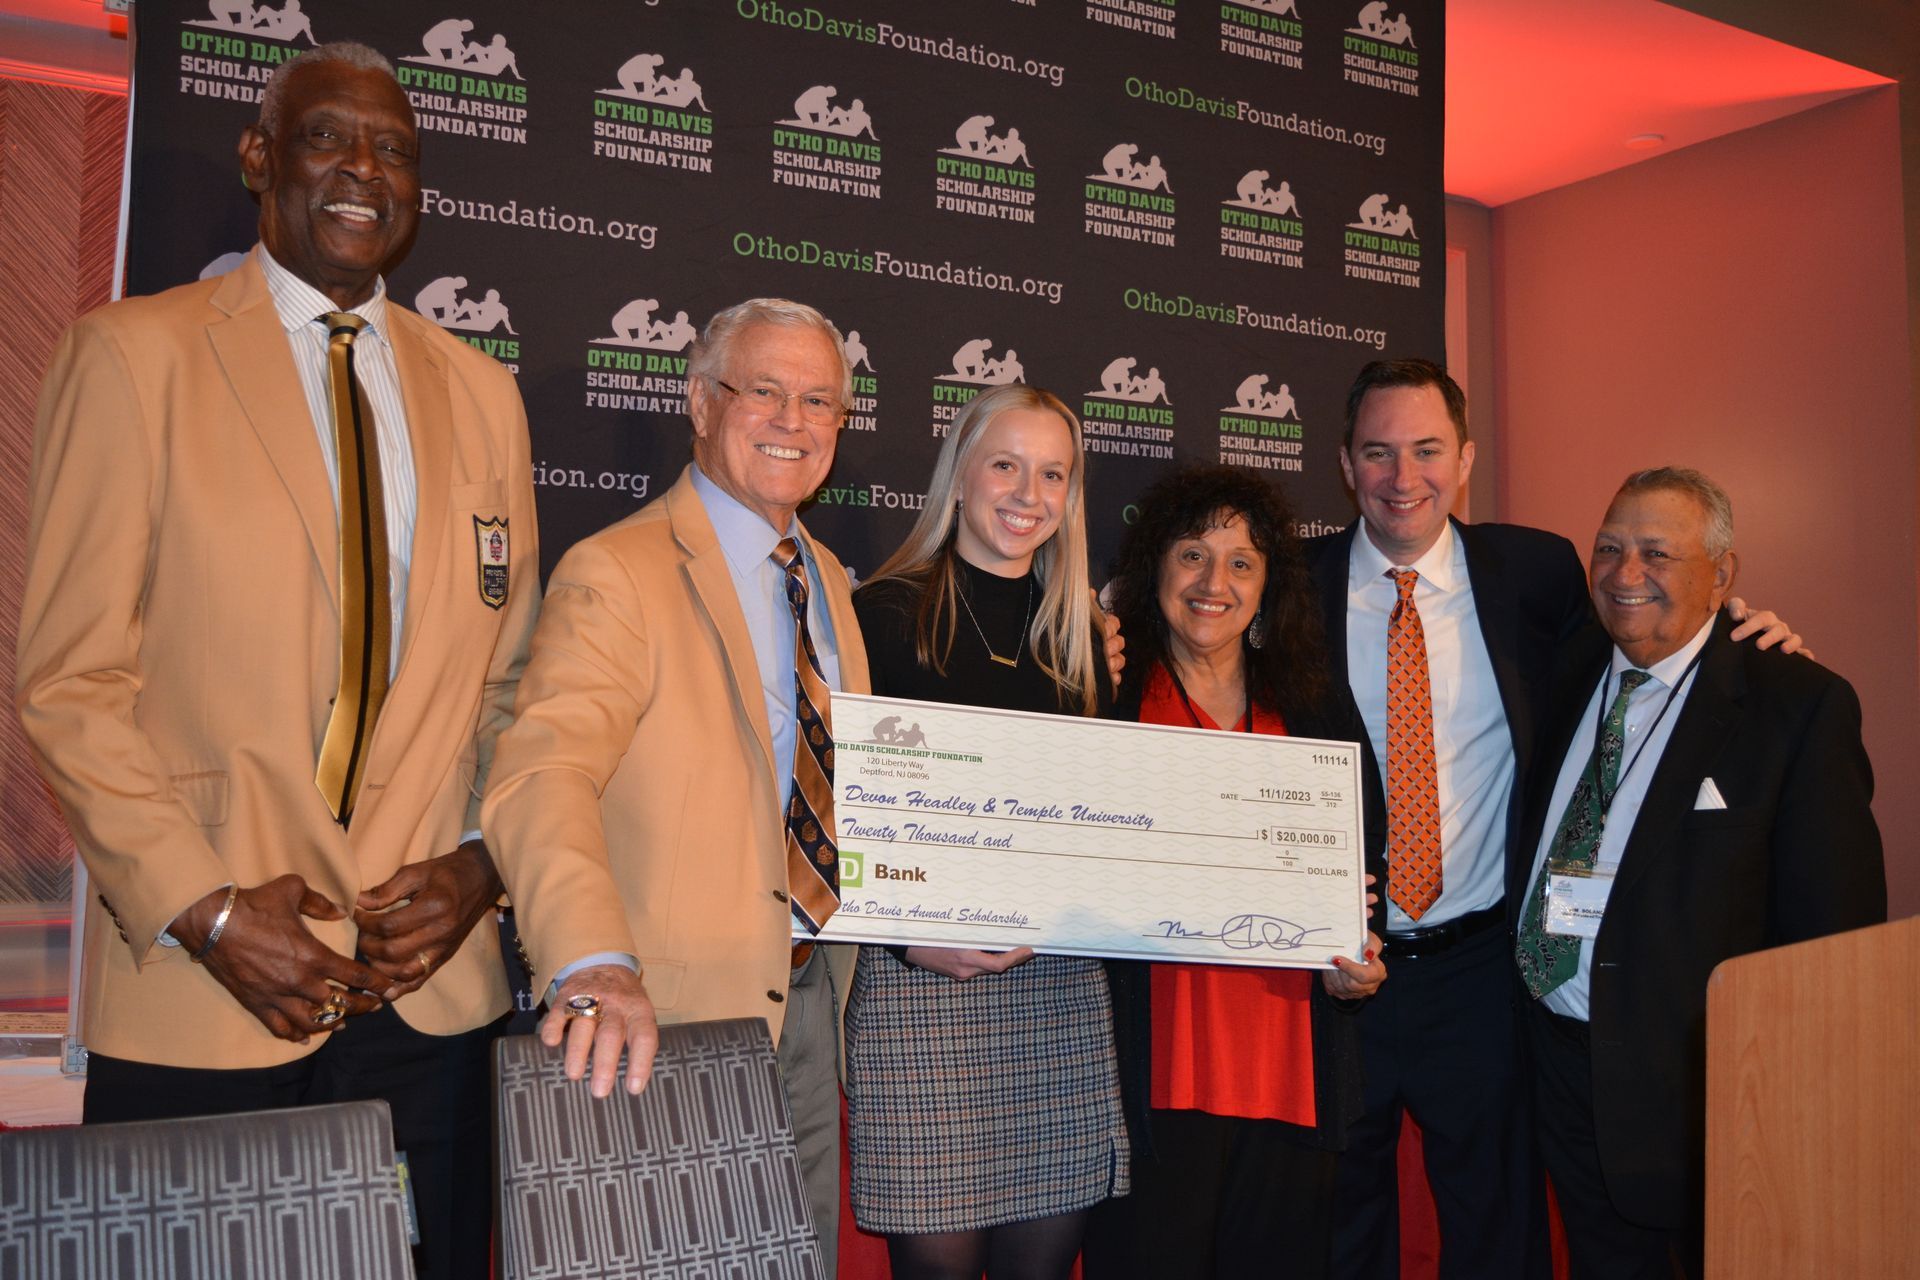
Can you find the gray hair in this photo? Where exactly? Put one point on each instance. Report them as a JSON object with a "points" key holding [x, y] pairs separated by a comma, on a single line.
{"points": [[1712, 498], [715, 344], [347, 52]]}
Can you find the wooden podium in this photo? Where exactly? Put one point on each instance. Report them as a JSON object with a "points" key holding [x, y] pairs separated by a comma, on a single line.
{"points": [[1813, 1129]]}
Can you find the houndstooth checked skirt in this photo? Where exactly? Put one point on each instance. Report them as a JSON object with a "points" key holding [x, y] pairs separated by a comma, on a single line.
{"points": [[977, 1103]]}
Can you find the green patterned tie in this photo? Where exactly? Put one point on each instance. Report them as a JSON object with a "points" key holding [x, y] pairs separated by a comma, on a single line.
{"points": [[1546, 959]]}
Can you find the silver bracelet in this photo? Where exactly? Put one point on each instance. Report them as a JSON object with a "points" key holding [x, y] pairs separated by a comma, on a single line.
{"points": [[219, 924]]}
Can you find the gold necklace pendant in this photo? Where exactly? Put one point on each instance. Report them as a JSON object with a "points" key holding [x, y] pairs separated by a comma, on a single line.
{"points": [[1014, 661]]}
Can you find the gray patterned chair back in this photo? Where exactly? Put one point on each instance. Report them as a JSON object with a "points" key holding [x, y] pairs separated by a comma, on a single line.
{"points": [[696, 1177], [308, 1193]]}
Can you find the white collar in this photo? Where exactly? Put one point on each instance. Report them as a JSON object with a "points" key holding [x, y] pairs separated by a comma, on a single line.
{"points": [[1443, 566], [1670, 668], [299, 304]]}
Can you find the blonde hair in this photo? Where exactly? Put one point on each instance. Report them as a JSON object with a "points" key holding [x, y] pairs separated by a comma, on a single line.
{"points": [[1061, 635]]}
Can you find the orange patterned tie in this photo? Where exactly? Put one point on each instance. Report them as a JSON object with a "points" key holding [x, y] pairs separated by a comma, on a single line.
{"points": [[1413, 784], [813, 860]]}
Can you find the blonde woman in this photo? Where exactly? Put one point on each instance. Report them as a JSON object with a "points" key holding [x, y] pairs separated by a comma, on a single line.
{"points": [[984, 1098]]}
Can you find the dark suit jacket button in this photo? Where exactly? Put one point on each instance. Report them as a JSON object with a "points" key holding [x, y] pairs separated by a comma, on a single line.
{"points": [[776, 997]]}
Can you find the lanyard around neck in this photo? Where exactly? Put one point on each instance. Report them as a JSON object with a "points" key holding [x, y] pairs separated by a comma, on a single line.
{"points": [[1606, 795]]}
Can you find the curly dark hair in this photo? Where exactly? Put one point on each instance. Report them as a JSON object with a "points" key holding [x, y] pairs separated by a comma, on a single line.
{"points": [[1289, 671]]}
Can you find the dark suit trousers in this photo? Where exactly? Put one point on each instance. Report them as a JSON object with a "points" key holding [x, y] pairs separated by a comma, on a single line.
{"points": [[1442, 1040], [439, 1087], [1601, 1244]]}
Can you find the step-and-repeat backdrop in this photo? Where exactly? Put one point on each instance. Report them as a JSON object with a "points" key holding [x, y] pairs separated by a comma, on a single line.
{"points": [[1192, 221]]}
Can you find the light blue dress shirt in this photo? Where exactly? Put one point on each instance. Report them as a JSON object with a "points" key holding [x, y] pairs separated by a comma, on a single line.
{"points": [[747, 540]]}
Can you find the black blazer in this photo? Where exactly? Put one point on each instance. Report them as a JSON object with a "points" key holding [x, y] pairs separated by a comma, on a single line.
{"points": [[1530, 595], [1337, 1099], [1794, 855]]}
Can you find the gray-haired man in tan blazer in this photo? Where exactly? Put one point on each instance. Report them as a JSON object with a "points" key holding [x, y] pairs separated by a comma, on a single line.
{"points": [[636, 805]]}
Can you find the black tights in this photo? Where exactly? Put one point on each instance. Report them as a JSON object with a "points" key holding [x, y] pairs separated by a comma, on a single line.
{"points": [[1039, 1249]]}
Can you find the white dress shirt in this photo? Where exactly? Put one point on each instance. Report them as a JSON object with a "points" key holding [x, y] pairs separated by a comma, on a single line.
{"points": [[1652, 711], [1473, 749]]}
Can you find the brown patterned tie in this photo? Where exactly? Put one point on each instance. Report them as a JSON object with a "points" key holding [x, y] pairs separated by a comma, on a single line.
{"points": [[366, 611], [813, 859], [1413, 785]]}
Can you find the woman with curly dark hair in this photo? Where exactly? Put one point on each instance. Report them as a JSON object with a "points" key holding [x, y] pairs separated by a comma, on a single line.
{"points": [[1238, 1082]]}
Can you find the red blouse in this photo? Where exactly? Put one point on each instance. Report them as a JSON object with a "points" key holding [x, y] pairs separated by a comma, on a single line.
{"points": [[1228, 1040]]}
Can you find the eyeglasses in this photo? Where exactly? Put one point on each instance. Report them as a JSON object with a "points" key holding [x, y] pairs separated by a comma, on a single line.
{"points": [[764, 400]]}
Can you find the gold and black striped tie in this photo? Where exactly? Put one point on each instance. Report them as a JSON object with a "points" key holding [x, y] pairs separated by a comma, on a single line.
{"points": [[813, 859], [366, 612]]}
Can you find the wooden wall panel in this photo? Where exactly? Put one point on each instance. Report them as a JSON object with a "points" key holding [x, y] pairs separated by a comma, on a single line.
{"points": [[60, 162]]}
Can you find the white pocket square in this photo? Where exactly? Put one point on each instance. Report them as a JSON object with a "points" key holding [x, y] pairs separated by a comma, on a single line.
{"points": [[1709, 797]]}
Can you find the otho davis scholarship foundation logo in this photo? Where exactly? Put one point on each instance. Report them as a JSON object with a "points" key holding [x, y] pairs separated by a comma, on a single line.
{"points": [[1255, 430], [638, 365], [1131, 414], [1381, 245], [654, 119], [1263, 224], [825, 146]]}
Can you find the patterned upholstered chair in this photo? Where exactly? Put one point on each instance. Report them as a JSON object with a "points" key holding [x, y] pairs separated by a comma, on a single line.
{"points": [[304, 1194], [696, 1177]]}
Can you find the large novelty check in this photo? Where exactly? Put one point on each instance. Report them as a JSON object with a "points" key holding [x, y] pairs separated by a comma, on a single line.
{"points": [[976, 828]]}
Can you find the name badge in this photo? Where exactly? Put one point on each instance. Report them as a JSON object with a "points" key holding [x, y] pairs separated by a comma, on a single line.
{"points": [[1577, 899]]}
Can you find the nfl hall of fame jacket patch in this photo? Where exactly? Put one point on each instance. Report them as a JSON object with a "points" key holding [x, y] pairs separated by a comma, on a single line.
{"points": [[492, 554]]}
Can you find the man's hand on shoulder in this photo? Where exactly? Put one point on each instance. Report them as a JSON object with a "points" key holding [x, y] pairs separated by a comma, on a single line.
{"points": [[622, 1018], [420, 916], [270, 961], [1766, 627], [1114, 645]]}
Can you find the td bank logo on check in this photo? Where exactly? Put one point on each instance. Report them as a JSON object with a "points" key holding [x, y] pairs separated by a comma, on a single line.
{"points": [[853, 871]]}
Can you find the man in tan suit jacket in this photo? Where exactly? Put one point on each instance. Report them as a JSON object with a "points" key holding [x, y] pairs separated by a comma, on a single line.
{"points": [[180, 645], [636, 804]]}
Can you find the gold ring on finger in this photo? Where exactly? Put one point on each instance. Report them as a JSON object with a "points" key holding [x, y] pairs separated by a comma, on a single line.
{"points": [[582, 1007], [426, 965], [325, 1015]]}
